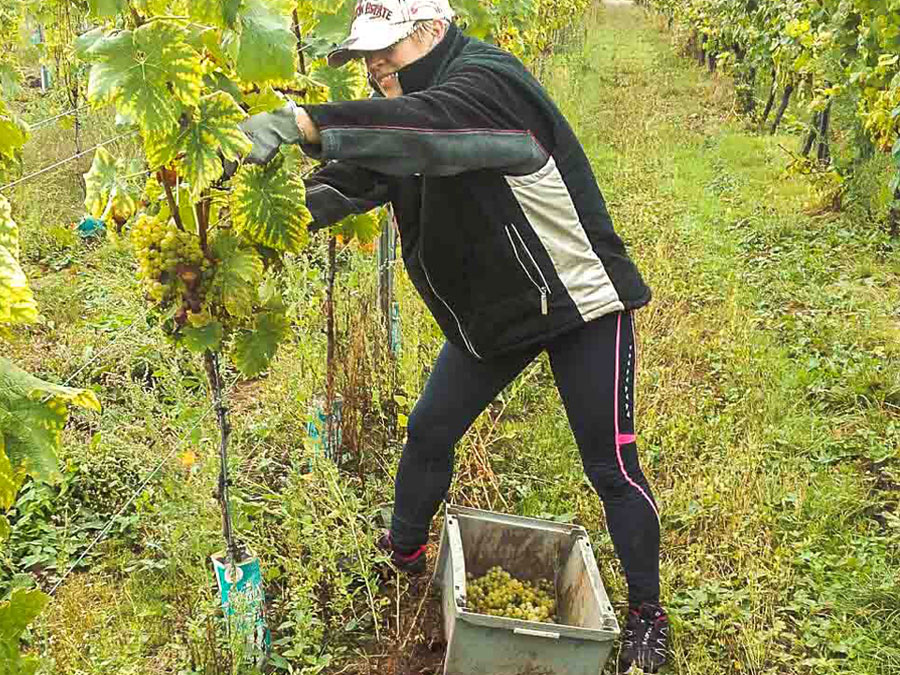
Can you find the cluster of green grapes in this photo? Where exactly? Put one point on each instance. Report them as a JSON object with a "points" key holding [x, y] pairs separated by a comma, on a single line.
{"points": [[498, 593], [172, 264]]}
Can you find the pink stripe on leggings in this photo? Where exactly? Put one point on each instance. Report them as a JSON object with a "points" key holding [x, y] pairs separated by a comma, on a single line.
{"points": [[620, 437]]}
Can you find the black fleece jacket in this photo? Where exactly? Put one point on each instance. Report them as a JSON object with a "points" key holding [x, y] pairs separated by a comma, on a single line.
{"points": [[503, 229]]}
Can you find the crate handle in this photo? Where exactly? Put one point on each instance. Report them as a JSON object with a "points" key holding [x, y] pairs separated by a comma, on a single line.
{"points": [[536, 633]]}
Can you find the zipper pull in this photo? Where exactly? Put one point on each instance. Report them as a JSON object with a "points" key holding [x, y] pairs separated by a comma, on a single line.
{"points": [[545, 310]]}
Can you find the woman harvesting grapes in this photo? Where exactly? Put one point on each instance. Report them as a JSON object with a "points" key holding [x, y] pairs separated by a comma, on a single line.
{"points": [[507, 238]]}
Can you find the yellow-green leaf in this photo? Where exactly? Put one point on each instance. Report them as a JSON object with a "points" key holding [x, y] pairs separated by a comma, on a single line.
{"points": [[10, 479], [106, 8], [199, 339], [210, 130], [266, 100], [111, 187], [20, 610], [17, 303], [13, 134], [9, 231], [348, 83], [34, 413], [268, 205], [220, 13], [151, 73], [255, 349], [268, 47], [238, 274], [332, 19], [24, 384], [365, 226]]}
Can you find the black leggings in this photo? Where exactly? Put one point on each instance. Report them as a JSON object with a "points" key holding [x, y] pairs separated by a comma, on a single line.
{"points": [[594, 368]]}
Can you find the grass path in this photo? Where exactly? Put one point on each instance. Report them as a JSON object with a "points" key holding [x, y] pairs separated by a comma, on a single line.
{"points": [[769, 404]]}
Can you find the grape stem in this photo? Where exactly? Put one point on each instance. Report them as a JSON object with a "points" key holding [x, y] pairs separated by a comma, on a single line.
{"points": [[203, 223], [235, 551], [173, 207], [300, 56]]}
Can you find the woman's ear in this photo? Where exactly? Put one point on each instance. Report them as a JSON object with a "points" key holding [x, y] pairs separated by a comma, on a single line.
{"points": [[440, 30]]}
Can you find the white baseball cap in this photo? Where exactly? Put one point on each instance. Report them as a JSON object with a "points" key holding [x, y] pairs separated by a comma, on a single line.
{"points": [[380, 23]]}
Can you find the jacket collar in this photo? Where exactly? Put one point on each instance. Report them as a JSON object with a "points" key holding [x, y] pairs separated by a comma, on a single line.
{"points": [[425, 72]]}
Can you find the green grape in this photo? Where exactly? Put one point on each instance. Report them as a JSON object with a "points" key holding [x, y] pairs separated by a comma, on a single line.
{"points": [[170, 262], [498, 593]]}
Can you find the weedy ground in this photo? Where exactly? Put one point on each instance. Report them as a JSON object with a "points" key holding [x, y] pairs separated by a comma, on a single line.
{"points": [[768, 416]]}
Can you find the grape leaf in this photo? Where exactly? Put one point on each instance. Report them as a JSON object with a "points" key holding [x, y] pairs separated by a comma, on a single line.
{"points": [[269, 207], [222, 13], [106, 8], [344, 84], [9, 231], [17, 303], [10, 80], [108, 187], [85, 41], [266, 100], [365, 226], [33, 435], [255, 349], [475, 16], [13, 133], [268, 46], [238, 274], [211, 129], [150, 73], [198, 339], [4, 528], [100, 181], [33, 419], [186, 210], [333, 20], [20, 610], [16, 383], [10, 480]]}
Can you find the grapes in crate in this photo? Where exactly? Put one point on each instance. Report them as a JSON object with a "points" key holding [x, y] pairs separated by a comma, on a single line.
{"points": [[498, 593]]}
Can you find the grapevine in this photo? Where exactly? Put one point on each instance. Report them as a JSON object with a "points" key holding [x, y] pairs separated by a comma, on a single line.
{"points": [[815, 49]]}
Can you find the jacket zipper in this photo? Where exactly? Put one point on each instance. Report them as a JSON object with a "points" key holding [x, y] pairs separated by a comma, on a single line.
{"points": [[465, 337], [543, 290]]}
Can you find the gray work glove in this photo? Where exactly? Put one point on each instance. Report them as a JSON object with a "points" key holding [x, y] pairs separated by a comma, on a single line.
{"points": [[269, 130]]}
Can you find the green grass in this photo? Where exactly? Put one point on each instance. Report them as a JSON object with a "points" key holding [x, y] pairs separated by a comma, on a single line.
{"points": [[768, 415]]}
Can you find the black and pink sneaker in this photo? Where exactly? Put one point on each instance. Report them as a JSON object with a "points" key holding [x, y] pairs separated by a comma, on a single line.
{"points": [[412, 562], [645, 641]]}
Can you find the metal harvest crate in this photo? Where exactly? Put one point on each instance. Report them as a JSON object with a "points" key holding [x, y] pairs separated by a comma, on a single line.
{"points": [[477, 644]]}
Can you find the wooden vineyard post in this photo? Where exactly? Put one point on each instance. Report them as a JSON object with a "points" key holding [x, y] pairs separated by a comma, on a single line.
{"points": [[330, 432]]}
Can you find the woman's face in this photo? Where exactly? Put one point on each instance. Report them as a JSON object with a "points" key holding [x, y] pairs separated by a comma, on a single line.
{"points": [[384, 64]]}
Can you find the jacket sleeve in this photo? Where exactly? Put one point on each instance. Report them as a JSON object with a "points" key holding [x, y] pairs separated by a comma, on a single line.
{"points": [[475, 119], [338, 190]]}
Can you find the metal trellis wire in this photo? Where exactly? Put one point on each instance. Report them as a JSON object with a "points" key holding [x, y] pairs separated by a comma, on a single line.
{"points": [[45, 122], [61, 162]]}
